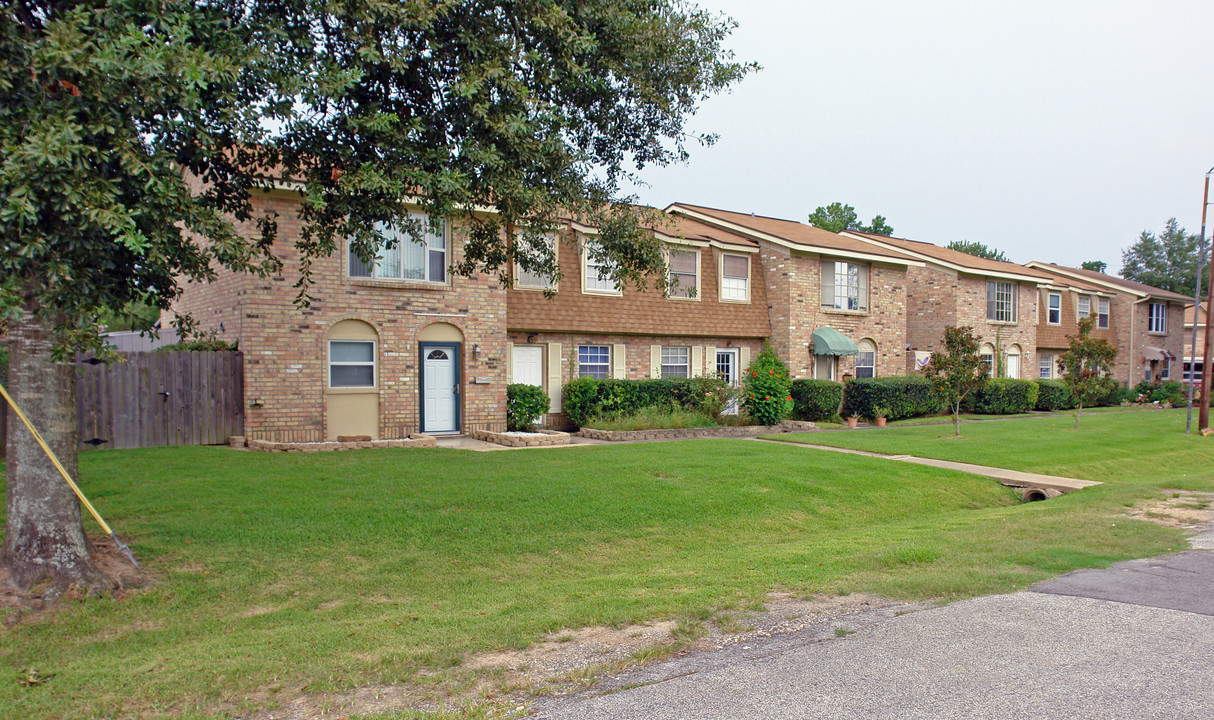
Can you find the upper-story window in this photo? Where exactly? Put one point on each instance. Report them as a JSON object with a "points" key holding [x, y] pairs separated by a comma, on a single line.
{"points": [[405, 256], [1157, 317], [844, 285], [1001, 301], [735, 277], [1053, 312], [535, 245], [1085, 305], [684, 273], [597, 275], [1102, 318]]}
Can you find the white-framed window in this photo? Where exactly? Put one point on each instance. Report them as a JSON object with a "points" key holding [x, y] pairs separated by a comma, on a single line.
{"points": [[684, 276], [1157, 317], [844, 285], [1001, 301], [1053, 310], [866, 361], [405, 257], [1192, 374], [676, 362], [987, 353], [1085, 306], [1102, 318], [735, 278], [351, 363], [596, 277], [1166, 372], [1045, 364], [537, 245], [594, 361]]}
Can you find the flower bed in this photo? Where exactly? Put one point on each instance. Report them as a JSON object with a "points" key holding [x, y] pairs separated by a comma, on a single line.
{"points": [[539, 438], [726, 431], [414, 441]]}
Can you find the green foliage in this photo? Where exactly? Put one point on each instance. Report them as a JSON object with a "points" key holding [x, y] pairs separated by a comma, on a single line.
{"points": [[766, 388], [1053, 395], [1167, 391], [838, 217], [587, 398], [816, 400], [654, 417], [901, 396], [977, 249], [958, 370], [1168, 261], [1086, 366], [112, 109], [525, 405], [203, 343], [1095, 265], [1003, 396]]}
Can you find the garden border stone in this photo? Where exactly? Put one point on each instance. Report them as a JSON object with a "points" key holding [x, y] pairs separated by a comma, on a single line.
{"points": [[551, 437], [728, 431], [413, 441]]}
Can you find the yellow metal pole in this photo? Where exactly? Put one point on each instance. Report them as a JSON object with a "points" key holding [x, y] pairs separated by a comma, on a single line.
{"points": [[66, 478]]}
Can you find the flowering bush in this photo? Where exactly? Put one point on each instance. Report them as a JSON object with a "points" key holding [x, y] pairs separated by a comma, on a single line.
{"points": [[766, 394]]}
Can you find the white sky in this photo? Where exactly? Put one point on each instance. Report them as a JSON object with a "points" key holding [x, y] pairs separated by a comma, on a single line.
{"points": [[1053, 131]]}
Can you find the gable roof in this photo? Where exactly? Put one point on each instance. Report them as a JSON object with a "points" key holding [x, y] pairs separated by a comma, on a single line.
{"points": [[682, 228], [789, 233], [1188, 315], [953, 259], [1111, 281], [1058, 281]]}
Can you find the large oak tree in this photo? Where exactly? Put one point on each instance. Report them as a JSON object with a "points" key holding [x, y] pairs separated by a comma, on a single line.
{"points": [[134, 130]]}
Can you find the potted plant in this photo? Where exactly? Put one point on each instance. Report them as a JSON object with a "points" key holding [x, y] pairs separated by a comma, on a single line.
{"points": [[882, 413], [852, 421]]}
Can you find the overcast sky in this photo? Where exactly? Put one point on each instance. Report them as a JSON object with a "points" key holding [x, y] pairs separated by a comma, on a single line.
{"points": [[1053, 131]]}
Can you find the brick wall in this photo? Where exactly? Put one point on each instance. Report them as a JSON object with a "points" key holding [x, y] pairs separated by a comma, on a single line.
{"points": [[1131, 368]]}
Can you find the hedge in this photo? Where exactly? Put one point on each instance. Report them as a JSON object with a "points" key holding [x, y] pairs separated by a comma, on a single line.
{"points": [[816, 399], [903, 396], [587, 398], [525, 405], [1053, 395], [1003, 396]]}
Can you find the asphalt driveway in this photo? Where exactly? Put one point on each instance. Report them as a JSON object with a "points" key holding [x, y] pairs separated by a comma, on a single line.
{"points": [[1133, 641]]}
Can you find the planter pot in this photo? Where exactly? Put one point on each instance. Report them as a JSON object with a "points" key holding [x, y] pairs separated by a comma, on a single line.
{"points": [[852, 422], [880, 422]]}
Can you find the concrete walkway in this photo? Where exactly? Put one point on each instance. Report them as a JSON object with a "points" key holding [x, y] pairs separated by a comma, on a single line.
{"points": [[1011, 478]]}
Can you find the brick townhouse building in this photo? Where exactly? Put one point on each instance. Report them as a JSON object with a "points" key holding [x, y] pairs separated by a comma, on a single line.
{"points": [[1061, 304], [1148, 323], [998, 299]]}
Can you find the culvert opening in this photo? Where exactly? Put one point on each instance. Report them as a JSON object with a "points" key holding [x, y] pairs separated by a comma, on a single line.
{"points": [[1033, 494]]}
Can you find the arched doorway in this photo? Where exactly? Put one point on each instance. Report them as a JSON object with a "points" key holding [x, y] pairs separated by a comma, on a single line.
{"points": [[352, 380]]}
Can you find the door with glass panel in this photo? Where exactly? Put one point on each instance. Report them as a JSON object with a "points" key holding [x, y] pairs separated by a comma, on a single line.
{"points": [[728, 370], [440, 388]]}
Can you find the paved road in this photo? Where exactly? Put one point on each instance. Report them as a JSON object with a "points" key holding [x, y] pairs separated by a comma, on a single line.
{"points": [[1133, 641]]}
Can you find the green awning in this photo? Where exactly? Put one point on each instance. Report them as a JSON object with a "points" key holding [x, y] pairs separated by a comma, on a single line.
{"points": [[828, 341]]}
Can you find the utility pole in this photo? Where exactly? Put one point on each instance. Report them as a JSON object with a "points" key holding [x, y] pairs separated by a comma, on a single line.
{"points": [[1203, 419], [1201, 253]]}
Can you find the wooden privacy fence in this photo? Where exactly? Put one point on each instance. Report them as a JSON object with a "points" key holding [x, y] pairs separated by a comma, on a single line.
{"points": [[152, 399]]}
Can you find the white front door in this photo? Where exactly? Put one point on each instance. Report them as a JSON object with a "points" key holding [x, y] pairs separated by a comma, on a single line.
{"points": [[824, 367], [727, 370], [1013, 366], [528, 365], [440, 388]]}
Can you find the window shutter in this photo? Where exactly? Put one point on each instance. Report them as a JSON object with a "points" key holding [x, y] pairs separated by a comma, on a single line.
{"points": [[697, 360], [619, 364], [1015, 302], [745, 358], [509, 363], [554, 377], [990, 299], [828, 283], [710, 361], [655, 361], [863, 287]]}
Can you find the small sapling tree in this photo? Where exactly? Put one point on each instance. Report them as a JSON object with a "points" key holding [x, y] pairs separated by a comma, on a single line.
{"points": [[958, 370], [1085, 365], [767, 397]]}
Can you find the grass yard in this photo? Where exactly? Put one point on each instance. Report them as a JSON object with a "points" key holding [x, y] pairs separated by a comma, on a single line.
{"points": [[295, 573]]}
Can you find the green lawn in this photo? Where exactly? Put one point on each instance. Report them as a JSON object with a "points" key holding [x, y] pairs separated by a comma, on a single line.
{"points": [[329, 571]]}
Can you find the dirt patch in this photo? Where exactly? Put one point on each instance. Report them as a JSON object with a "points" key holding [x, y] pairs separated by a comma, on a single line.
{"points": [[569, 661], [1182, 508], [29, 606]]}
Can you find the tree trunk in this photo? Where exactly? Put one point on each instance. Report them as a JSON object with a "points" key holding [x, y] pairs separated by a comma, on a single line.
{"points": [[1078, 409], [957, 418], [44, 537]]}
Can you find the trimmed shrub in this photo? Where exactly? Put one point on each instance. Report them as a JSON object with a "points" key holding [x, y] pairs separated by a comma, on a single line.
{"points": [[525, 405], [1115, 391], [1053, 395], [588, 398], [904, 396], [1003, 396], [816, 399], [1167, 391], [766, 396]]}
